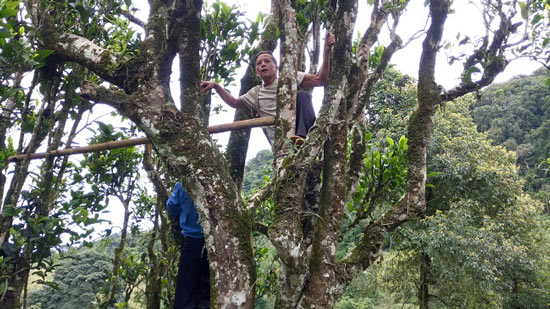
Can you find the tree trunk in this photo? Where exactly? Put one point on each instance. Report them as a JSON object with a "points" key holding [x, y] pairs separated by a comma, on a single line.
{"points": [[423, 289], [113, 288]]}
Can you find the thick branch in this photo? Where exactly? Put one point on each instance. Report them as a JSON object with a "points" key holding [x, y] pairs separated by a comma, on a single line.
{"points": [[70, 47], [260, 196], [420, 126], [189, 54], [116, 99], [378, 18], [287, 87]]}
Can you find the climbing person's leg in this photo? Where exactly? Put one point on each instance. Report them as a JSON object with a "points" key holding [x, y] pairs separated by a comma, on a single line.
{"points": [[204, 285], [189, 273], [305, 115]]}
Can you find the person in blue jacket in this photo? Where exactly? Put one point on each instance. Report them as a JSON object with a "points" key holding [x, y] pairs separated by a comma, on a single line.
{"points": [[193, 280]]}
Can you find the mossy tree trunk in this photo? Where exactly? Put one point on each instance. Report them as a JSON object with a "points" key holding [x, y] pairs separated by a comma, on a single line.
{"points": [[424, 285]]}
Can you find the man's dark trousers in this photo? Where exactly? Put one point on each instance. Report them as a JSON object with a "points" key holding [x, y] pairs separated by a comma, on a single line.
{"points": [[305, 115], [193, 281]]}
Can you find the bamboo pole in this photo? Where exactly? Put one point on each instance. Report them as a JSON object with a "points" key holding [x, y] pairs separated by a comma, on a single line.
{"points": [[243, 124]]}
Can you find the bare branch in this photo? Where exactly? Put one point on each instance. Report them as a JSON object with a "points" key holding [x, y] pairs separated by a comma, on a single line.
{"points": [[116, 99], [364, 83], [133, 19], [489, 58], [260, 196]]}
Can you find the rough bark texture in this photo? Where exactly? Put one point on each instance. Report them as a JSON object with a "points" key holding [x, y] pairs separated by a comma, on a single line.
{"points": [[423, 290], [322, 286], [285, 232], [299, 256]]}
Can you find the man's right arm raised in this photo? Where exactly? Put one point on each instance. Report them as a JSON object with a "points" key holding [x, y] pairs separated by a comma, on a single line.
{"points": [[224, 94]]}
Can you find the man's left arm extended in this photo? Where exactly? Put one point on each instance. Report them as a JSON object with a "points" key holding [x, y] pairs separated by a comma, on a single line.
{"points": [[321, 78]]}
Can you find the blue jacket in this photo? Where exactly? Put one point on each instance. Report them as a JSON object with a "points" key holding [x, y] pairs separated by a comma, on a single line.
{"points": [[181, 204]]}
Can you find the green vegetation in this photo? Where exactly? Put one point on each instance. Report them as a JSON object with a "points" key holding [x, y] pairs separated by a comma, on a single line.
{"points": [[77, 282], [482, 239], [258, 170], [516, 115]]}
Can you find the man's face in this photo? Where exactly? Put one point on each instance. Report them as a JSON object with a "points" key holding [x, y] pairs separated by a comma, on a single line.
{"points": [[265, 68]]}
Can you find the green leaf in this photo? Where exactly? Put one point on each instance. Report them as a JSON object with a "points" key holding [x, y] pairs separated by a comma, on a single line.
{"points": [[84, 13], [10, 211], [432, 174], [11, 4], [41, 54], [4, 34], [390, 141], [467, 77], [8, 13], [536, 19], [523, 8], [368, 136], [403, 142]]}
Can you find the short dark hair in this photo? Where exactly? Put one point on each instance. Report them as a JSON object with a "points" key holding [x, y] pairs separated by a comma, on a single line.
{"points": [[264, 52]]}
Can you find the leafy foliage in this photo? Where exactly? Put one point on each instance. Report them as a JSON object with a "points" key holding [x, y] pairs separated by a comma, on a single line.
{"points": [[257, 171], [516, 115], [479, 231], [78, 280], [479, 227], [226, 40]]}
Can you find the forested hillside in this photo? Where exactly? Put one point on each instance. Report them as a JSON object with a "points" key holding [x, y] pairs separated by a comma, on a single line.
{"points": [[516, 115]]}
